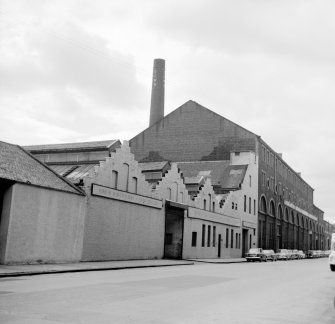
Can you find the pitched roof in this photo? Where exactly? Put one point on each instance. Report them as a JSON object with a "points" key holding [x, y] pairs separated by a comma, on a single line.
{"points": [[154, 166], [19, 165], [221, 173], [97, 145]]}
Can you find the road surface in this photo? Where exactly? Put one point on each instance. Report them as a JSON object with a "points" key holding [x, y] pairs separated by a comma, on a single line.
{"points": [[299, 291]]}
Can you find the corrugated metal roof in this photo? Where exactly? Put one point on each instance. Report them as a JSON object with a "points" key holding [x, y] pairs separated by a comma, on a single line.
{"points": [[71, 146], [80, 172], [19, 165]]}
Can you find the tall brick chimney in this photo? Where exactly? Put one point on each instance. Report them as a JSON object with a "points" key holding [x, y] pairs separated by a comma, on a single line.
{"points": [[157, 92]]}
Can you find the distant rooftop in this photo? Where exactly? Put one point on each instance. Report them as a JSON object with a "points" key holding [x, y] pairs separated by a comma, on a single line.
{"points": [[18, 165], [96, 145]]}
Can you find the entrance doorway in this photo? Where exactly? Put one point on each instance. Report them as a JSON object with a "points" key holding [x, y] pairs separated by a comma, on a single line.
{"points": [[174, 231], [245, 241]]}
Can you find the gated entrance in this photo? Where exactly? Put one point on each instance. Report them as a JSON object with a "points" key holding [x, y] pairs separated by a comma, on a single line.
{"points": [[174, 230]]}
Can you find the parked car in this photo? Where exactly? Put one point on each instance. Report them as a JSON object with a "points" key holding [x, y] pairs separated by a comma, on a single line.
{"points": [[270, 255], [312, 254], [255, 254], [331, 258], [309, 254], [290, 254], [282, 254], [295, 255], [301, 255]]}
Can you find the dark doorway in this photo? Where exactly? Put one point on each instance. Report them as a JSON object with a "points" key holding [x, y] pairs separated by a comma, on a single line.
{"points": [[219, 246], [245, 244], [4, 185], [174, 229]]}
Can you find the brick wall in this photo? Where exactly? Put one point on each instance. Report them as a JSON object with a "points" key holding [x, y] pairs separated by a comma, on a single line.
{"points": [[191, 133]]}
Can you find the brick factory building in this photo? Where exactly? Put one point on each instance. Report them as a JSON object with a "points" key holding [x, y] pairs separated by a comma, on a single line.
{"points": [[287, 217]]}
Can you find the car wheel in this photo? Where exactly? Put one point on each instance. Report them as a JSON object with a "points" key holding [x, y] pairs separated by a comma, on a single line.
{"points": [[332, 267], [260, 259]]}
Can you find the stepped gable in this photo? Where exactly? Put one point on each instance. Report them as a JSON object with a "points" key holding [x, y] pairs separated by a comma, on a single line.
{"points": [[191, 133], [18, 165], [102, 174]]}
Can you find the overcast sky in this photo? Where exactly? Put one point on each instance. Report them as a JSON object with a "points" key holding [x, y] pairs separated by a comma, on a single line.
{"points": [[80, 70]]}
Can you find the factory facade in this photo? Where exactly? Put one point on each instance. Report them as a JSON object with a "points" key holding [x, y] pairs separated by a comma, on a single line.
{"points": [[119, 209], [287, 216]]}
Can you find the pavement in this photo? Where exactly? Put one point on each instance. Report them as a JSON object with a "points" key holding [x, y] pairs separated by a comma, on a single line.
{"points": [[38, 269], [232, 260]]}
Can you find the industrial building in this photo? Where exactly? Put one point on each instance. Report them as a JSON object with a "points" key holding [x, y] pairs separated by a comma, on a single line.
{"points": [[192, 185]]}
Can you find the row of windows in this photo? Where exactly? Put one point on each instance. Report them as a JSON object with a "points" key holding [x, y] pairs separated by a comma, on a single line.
{"points": [[294, 178], [269, 183], [211, 240], [250, 205], [129, 184]]}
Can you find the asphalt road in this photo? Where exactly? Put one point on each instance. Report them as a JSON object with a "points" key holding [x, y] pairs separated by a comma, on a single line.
{"points": [[279, 292]]}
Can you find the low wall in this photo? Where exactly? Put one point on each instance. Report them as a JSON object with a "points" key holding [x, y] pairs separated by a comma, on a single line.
{"points": [[43, 225], [118, 230]]}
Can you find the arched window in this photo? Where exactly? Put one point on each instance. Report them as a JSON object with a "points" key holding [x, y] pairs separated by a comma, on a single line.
{"points": [[262, 206], [115, 179], [292, 218], [169, 193], [286, 215], [125, 173], [280, 212], [272, 208]]}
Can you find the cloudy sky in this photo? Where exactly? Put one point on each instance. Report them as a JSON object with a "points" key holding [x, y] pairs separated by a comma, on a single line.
{"points": [[80, 70]]}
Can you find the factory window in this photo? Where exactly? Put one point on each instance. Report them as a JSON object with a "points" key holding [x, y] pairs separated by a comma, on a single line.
{"points": [[231, 238], [236, 206], [205, 204], [232, 206], [169, 193], [214, 235], [194, 238], [227, 237], [239, 240], [213, 207], [125, 171], [263, 178], [236, 241], [115, 176], [209, 202], [249, 205], [203, 235], [209, 236], [245, 203], [249, 180], [134, 185], [254, 206]]}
